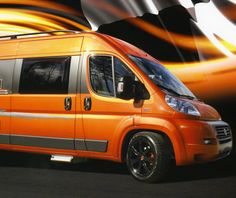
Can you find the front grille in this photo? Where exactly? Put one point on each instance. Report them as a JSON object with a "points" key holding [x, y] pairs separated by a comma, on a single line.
{"points": [[223, 134]]}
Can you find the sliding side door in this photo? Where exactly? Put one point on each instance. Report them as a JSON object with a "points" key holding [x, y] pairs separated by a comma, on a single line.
{"points": [[44, 104], [6, 73]]}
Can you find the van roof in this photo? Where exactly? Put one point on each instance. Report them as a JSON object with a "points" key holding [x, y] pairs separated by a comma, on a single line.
{"points": [[14, 41]]}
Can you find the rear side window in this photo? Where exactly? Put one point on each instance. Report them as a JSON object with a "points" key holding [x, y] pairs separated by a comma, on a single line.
{"points": [[45, 76]]}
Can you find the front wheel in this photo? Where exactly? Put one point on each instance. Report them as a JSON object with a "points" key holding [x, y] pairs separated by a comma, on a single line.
{"points": [[148, 157]]}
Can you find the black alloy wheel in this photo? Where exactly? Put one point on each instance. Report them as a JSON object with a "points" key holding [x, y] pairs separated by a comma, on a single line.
{"points": [[148, 157]]}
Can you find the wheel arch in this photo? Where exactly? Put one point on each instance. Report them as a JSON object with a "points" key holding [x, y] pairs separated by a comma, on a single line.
{"points": [[130, 134], [172, 137]]}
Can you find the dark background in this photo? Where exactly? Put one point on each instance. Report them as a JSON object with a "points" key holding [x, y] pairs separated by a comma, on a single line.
{"points": [[32, 175]]}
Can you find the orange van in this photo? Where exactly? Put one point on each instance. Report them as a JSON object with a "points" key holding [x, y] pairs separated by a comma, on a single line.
{"points": [[90, 95]]}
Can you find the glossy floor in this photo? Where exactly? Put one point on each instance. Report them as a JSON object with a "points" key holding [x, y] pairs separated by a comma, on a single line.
{"points": [[27, 175]]}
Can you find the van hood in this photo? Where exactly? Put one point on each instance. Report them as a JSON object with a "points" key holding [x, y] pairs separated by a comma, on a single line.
{"points": [[207, 112]]}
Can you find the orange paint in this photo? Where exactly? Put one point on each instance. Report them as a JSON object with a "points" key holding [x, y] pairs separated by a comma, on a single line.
{"points": [[43, 118]]}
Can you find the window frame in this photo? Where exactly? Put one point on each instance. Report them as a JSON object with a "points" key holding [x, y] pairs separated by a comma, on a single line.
{"points": [[113, 72], [89, 76], [67, 69]]}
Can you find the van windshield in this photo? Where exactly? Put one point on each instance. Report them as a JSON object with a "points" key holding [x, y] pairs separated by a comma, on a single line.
{"points": [[162, 77]]}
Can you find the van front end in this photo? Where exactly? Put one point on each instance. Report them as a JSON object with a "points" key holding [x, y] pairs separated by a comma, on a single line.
{"points": [[206, 137], [204, 141], [174, 124], [195, 129]]}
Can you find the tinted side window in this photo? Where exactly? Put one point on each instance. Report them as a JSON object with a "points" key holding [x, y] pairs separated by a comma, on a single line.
{"points": [[100, 68], [45, 76]]}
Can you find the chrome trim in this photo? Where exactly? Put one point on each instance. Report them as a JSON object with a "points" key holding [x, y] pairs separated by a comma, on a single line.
{"points": [[223, 134], [4, 92], [37, 115], [223, 137], [4, 114], [218, 123], [73, 74], [83, 87], [16, 75], [61, 158], [6, 74]]}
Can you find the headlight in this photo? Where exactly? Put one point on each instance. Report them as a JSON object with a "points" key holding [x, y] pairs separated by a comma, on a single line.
{"points": [[182, 106]]}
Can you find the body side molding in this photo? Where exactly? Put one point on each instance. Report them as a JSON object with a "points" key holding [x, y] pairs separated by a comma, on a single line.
{"points": [[54, 142]]}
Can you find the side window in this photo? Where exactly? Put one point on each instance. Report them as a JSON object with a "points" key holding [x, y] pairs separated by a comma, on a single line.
{"points": [[45, 76], [100, 68], [105, 72], [121, 70]]}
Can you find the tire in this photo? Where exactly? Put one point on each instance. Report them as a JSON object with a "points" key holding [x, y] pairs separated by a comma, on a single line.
{"points": [[148, 157]]}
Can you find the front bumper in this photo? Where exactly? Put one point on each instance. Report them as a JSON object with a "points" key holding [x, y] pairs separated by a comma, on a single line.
{"points": [[205, 141]]}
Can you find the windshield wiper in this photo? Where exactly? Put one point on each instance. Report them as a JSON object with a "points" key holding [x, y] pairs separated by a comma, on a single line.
{"points": [[169, 89], [187, 96], [175, 92]]}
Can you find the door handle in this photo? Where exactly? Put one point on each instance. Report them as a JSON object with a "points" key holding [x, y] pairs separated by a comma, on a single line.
{"points": [[4, 92], [87, 104], [67, 103]]}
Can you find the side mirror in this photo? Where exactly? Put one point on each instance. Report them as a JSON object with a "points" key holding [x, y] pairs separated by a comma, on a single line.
{"points": [[126, 88], [141, 93]]}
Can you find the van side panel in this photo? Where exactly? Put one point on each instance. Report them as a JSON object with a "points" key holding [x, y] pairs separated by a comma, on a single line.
{"points": [[8, 49], [91, 44], [6, 73], [165, 126], [41, 121], [50, 47]]}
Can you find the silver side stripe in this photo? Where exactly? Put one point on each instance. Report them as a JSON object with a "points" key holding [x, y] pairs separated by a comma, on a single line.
{"points": [[55, 142], [38, 115]]}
